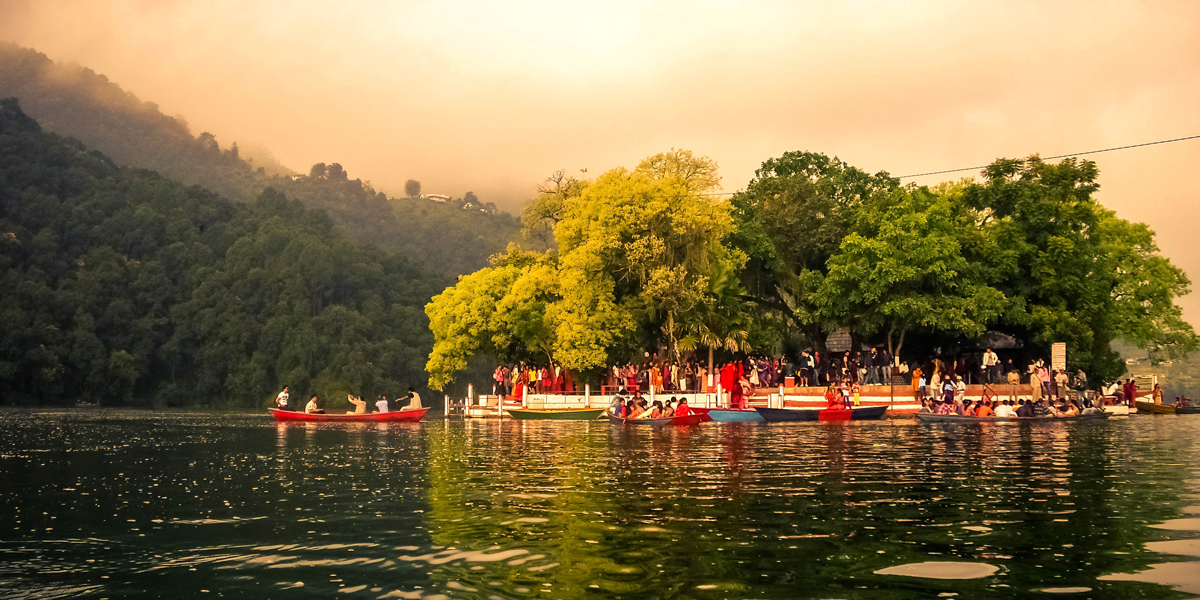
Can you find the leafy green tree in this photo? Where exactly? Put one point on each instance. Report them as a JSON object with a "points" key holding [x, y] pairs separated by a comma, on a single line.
{"points": [[1074, 272], [412, 188], [636, 252], [902, 268], [792, 217]]}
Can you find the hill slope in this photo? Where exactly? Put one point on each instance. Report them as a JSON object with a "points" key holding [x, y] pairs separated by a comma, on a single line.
{"points": [[122, 286], [74, 101]]}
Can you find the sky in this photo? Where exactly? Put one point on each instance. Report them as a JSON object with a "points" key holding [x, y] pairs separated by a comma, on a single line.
{"points": [[494, 96]]}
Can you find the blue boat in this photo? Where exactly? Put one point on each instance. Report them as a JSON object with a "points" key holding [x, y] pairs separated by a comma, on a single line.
{"points": [[730, 415]]}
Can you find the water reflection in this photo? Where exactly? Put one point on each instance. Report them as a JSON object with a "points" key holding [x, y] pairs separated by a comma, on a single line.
{"points": [[111, 503]]}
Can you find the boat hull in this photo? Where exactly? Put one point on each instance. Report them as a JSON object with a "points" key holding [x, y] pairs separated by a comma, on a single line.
{"points": [[1155, 409], [723, 415], [399, 416], [567, 414], [862, 413], [1187, 410], [935, 418], [692, 419]]}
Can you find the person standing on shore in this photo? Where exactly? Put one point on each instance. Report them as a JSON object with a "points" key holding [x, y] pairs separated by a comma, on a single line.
{"points": [[1014, 380], [1035, 381]]}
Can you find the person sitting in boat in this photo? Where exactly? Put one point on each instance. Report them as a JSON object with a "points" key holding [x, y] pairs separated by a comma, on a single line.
{"points": [[656, 412], [1025, 409], [312, 407], [632, 410], [1066, 409], [360, 407], [925, 407], [1182, 402], [683, 409], [945, 408], [281, 401], [381, 405], [414, 400], [984, 409], [1005, 410], [669, 410], [617, 407]]}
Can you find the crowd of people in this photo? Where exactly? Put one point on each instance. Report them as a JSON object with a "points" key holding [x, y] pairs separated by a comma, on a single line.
{"points": [[637, 407]]}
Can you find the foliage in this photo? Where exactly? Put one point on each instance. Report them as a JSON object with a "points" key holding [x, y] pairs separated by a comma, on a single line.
{"points": [[698, 173], [792, 217], [74, 101], [903, 268], [122, 286], [636, 252], [1074, 271]]}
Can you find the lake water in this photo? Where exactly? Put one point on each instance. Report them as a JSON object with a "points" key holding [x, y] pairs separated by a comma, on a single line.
{"points": [[105, 503]]}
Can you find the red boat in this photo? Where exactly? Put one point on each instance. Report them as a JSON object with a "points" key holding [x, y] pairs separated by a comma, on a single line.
{"points": [[387, 417]]}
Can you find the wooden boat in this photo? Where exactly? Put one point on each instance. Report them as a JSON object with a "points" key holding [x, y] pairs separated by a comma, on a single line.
{"points": [[1155, 409], [703, 412], [861, 413], [1187, 410], [1117, 410], [692, 419], [732, 415], [936, 418], [556, 414], [399, 416]]}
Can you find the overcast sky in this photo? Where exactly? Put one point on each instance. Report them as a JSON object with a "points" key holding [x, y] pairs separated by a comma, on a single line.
{"points": [[493, 96]]}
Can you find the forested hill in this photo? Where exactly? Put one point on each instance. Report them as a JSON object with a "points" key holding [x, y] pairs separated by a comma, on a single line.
{"points": [[74, 101], [122, 286]]}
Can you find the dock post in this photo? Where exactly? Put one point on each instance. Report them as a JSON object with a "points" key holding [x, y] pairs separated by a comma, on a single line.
{"points": [[447, 411], [652, 393], [587, 395], [720, 396], [470, 395], [525, 396]]}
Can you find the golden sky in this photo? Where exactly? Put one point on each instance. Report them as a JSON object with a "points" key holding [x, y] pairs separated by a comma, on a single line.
{"points": [[493, 96]]}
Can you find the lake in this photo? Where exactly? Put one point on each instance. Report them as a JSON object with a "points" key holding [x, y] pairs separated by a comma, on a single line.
{"points": [[118, 503]]}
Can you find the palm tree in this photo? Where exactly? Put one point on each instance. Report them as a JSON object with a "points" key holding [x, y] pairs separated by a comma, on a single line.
{"points": [[719, 320]]}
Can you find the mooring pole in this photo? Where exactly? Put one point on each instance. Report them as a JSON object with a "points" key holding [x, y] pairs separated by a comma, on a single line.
{"points": [[587, 395]]}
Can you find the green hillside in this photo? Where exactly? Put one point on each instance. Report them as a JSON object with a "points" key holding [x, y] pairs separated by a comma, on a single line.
{"points": [[122, 286], [74, 101]]}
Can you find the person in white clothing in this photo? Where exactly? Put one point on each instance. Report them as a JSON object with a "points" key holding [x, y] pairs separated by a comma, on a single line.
{"points": [[382, 405], [281, 401], [1004, 409]]}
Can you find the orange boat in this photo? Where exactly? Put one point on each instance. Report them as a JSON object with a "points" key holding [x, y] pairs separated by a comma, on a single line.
{"points": [[377, 417]]}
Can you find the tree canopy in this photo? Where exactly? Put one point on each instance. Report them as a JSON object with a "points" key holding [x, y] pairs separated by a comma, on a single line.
{"points": [[124, 287], [636, 254]]}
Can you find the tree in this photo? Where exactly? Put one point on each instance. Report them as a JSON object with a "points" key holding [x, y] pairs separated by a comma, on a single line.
{"points": [[699, 174], [902, 268], [335, 172], [792, 217], [544, 211], [318, 171], [412, 188], [1073, 271], [634, 266]]}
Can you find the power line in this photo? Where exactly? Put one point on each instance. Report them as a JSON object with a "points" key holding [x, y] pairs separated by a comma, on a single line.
{"points": [[1182, 139]]}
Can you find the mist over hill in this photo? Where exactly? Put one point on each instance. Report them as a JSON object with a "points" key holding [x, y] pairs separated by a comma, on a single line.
{"points": [[74, 101]]}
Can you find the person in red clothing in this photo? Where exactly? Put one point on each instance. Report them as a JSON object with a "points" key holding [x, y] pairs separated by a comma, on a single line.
{"points": [[683, 409]]}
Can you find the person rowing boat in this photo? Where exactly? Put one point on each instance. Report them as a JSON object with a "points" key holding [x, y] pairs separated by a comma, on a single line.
{"points": [[360, 406], [312, 408]]}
